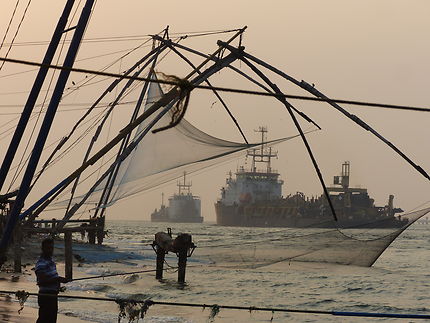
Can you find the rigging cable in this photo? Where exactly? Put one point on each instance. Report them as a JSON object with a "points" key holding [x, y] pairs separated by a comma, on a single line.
{"points": [[132, 37], [76, 126], [10, 23], [80, 60], [279, 94], [16, 33], [231, 90], [126, 93]]}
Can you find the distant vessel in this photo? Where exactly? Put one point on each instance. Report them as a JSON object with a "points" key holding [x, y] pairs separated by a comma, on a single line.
{"points": [[254, 199], [183, 207]]}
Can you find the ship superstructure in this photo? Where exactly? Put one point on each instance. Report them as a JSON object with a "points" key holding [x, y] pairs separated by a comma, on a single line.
{"points": [[253, 197], [254, 185], [182, 206]]}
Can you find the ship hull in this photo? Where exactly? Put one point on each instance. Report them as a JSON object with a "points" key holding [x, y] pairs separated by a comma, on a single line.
{"points": [[181, 209], [271, 215]]}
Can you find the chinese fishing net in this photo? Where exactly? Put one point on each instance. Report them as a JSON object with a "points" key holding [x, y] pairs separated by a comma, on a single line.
{"points": [[163, 156], [305, 230]]}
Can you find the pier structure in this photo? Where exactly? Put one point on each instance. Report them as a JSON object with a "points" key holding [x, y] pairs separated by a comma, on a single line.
{"points": [[92, 228]]}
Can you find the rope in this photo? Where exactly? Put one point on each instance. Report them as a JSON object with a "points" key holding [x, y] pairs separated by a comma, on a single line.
{"points": [[223, 89], [231, 307]]}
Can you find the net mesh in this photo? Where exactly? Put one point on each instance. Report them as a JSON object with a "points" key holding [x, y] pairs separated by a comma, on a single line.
{"points": [[256, 247], [163, 156]]}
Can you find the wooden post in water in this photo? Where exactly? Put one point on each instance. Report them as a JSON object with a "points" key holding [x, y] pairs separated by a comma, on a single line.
{"points": [[68, 254], [181, 245], [162, 244], [17, 249], [182, 265], [92, 231], [100, 229], [160, 262]]}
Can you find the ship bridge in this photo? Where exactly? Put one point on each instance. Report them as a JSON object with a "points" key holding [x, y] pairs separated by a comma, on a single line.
{"points": [[253, 185]]}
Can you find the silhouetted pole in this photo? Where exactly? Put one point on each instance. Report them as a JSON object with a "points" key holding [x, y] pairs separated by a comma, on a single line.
{"points": [[17, 249], [68, 255], [161, 254]]}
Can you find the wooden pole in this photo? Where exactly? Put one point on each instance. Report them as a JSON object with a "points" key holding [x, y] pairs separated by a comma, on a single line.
{"points": [[100, 229], [160, 262], [182, 265], [68, 254], [17, 250], [92, 236], [92, 232]]}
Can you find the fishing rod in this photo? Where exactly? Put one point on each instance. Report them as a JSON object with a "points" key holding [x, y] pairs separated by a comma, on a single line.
{"points": [[129, 273], [120, 274]]}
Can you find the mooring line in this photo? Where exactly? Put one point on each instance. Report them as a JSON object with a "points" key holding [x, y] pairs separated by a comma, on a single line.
{"points": [[231, 307]]}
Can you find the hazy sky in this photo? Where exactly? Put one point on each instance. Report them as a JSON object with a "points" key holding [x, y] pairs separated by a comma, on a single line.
{"points": [[360, 50]]}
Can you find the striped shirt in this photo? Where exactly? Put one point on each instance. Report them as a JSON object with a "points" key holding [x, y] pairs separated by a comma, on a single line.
{"points": [[46, 272]]}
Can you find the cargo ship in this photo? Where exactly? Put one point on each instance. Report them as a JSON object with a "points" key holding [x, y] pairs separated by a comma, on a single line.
{"points": [[253, 198], [183, 207]]}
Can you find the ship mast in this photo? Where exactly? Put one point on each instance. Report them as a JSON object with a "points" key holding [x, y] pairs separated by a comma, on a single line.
{"points": [[262, 155], [344, 178], [184, 187]]}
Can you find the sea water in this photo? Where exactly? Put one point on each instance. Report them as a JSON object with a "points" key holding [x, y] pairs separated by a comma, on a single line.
{"points": [[397, 283]]}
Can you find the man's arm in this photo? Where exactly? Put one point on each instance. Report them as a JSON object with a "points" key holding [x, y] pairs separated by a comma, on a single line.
{"points": [[45, 278], [47, 275]]}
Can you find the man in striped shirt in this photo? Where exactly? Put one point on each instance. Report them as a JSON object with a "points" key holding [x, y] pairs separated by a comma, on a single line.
{"points": [[49, 283]]}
